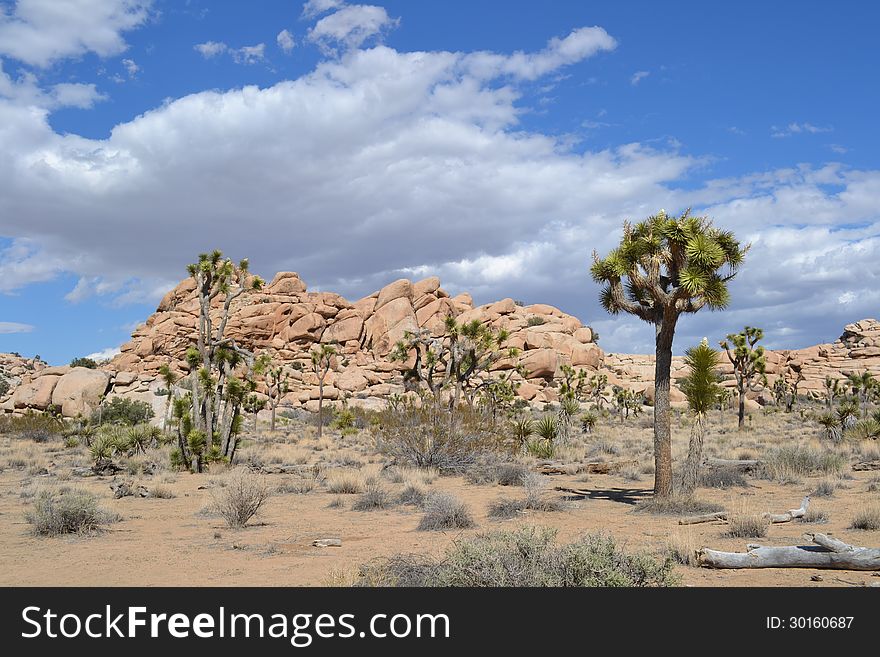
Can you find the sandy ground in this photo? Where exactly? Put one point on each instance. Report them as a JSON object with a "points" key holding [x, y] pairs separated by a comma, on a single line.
{"points": [[162, 542]]}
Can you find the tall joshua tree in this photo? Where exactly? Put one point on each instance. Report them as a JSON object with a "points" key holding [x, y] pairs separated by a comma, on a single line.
{"points": [[276, 379], [749, 364], [702, 388], [663, 268], [862, 386], [321, 362], [169, 378]]}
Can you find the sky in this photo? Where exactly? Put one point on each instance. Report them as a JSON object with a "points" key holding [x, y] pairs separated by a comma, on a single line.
{"points": [[495, 144]]}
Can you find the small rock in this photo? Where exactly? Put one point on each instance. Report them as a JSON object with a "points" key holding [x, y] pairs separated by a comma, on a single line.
{"points": [[327, 542], [817, 578]]}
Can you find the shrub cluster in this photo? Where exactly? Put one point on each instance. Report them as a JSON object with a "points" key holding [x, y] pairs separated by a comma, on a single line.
{"points": [[67, 511]]}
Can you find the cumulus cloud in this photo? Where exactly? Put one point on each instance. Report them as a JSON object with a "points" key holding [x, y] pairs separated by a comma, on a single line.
{"points": [[26, 91], [7, 328], [285, 41], [210, 49], [104, 354], [40, 32], [581, 44], [384, 163], [350, 27], [131, 67]]}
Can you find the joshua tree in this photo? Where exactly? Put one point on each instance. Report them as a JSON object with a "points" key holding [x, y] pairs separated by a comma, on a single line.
{"points": [[253, 405], [276, 383], [665, 267], [862, 386], [785, 388], [574, 383], [598, 383], [749, 365], [833, 390], [322, 359], [626, 401], [220, 369], [460, 359], [702, 388], [169, 378]]}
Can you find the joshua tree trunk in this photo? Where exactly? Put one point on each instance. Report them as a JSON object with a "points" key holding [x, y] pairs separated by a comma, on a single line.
{"points": [[272, 420], [320, 408], [742, 409], [691, 469], [662, 418]]}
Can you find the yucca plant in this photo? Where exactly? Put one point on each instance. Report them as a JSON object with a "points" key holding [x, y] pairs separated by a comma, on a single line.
{"points": [[868, 429], [588, 421], [541, 448], [701, 386], [830, 424], [547, 428], [663, 268], [523, 430]]}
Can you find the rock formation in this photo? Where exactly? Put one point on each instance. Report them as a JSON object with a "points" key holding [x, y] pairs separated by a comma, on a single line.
{"points": [[285, 320]]}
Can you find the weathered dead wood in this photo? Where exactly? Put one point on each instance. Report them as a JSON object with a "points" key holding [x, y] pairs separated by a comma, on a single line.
{"points": [[791, 514], [327, 542], [707, 517], [866, 465], [745, 465], [773, 518], [826, 552]]}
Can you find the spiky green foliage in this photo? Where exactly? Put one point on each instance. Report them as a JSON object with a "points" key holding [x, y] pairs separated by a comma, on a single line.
{"points": [[84, 362], [665, 267], [749, 363], [862, 385], [322, 360], [276, 382], [548, 428], [701, 386], [458, 361]]}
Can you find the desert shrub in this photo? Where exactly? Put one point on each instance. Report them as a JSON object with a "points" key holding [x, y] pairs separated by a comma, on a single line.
{"points": [[84, 362], [445, 511], [433, 436], [676, 505], [789, 463], [4, 385], [38, 427], [71, 442], [67, 511], [336, 503], [868, 518], [722, 478], [536, 320], [121, 410], [747, 525], [814, 515], [825, 488], [504, 473], [528, 556], [162, 492], [344, 420], [867, 429], [547, 428], [242, 496], [535, 488], [412, 495], [345, 483], [375, 497], [681, 548]]}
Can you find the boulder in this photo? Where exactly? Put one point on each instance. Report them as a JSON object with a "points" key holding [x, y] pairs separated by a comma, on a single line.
{"points": [[37, 394], [80, 391], [351, 379], [540, 363], [308, 327], [343, 330], [388, 324], [426, 286], [287, 283], [399, 289]]}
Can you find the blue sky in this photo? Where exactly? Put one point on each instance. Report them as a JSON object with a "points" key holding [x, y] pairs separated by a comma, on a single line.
{"points": [[493, 143]]}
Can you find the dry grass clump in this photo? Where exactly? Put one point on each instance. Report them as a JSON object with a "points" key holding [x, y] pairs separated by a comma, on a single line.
{"points": [[374, 498], [241, 498], [681, 548], [747, 525], [67, 511], [788, 464], [162, 492], [676, 505], [536, 499], [346, 483], [867, 519], [412, 495], [815, 516], [825, 488], [445, 511], [722, 478]]}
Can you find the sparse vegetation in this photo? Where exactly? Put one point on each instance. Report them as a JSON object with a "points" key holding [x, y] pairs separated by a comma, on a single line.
{"points": [[867, 519], [67, 511], [445, 511], [241, 498]]}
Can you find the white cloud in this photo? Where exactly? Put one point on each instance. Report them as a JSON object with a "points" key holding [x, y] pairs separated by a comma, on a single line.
{"points": [[7, 328], [210, 49], [104, 354], [384, 163], [350, 27], [581, 44], [26, 91], [40, 32], [78, 95], [131, 67], [250, 54], [314, 8], [285, 41], [798, 128], [638, 76]]}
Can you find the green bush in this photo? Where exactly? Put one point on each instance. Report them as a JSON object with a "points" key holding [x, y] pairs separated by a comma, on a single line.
{"points": [[536, 320], [67, 511], [84, 362], [528, 556], [121, 410]]}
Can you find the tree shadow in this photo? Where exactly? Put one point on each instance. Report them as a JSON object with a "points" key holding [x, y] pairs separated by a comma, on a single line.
{"points": [[629, 496]]}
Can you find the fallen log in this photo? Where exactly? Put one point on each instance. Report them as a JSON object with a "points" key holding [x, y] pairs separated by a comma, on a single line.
{"points": [[772, 518], [826, 553], [578, 468], [791, 514], [706, 517], [866, 465]]}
